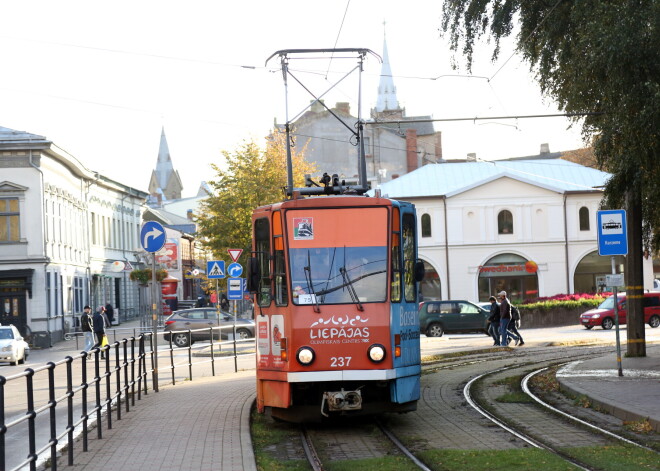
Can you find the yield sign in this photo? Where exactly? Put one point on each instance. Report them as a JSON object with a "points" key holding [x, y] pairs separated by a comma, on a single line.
{"points": [[235, 253]]}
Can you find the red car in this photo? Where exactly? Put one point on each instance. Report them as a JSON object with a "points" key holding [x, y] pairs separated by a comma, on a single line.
{"points": [[604, 314]]}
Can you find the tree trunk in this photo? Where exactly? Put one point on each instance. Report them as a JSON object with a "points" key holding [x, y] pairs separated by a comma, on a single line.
{"points": [[635, 277]]}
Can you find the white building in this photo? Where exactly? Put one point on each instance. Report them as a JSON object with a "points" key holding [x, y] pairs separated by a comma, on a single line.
{"points": [[62, 227], [524, 226]]}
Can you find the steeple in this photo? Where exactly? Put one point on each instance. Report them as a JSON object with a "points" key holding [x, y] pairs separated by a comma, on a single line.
{"points": [[164, 164], [165, 181], [386, 90]]}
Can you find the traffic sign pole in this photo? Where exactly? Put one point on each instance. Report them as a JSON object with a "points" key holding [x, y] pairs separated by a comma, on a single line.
{"points": [[616, 322]]}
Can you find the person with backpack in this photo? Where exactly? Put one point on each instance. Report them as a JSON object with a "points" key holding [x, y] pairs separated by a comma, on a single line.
{"points": [[86, 326], [494, 321], [514, 324], [505, 319]]}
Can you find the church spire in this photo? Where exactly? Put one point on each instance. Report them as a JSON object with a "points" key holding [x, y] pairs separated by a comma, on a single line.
{"points": [[165, 181], [164, 165], [386, 90]]}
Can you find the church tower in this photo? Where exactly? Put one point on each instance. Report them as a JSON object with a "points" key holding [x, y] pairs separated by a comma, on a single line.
{"points": [[165, 183], [387, 104]]}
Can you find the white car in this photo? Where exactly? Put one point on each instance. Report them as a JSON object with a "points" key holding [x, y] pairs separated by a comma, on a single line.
{"points": [[12, 346]]}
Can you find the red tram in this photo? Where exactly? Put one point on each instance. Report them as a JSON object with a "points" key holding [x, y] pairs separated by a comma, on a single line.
{"points": [[334, 275]]}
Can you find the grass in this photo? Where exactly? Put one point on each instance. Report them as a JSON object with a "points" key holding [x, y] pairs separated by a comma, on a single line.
{"points": [[267, 436], [514, 397], [494, 460], [638, 426], [616, 457], [448, 356], [387, 463], [546, 382]]}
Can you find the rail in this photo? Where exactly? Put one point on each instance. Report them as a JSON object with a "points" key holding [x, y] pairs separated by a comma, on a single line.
{"points": [[44, 410]]}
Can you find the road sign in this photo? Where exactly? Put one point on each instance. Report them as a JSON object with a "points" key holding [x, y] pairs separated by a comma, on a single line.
{"points": [[215, 269], [612, 232], [615, 280], [235, 270], [235, 253], [152, 236], [235, 289]]}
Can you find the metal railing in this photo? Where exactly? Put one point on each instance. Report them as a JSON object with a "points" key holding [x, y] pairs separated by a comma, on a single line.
{"points": [[93, 388]]}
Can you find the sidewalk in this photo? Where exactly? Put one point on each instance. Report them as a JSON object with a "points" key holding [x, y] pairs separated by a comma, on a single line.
{"points": [[633, 397]]}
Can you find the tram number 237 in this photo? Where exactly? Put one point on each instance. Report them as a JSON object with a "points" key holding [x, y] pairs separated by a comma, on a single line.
{"points": [[340, 362]]}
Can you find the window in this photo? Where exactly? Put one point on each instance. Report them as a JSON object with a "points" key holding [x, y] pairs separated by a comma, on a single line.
{"points": [[408, 236], [9, 217], [584, 218], [262, 248], [426, 225], [279, 266], [395, 293], [505, 222]]}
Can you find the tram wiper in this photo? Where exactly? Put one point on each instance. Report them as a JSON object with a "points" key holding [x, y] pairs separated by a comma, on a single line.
{"points": [[310, 283], [351, 289]]}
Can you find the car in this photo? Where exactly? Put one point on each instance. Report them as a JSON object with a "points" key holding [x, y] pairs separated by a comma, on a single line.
{"points": [[438, 317], [203, 318], [12, 346], [603, 315]]}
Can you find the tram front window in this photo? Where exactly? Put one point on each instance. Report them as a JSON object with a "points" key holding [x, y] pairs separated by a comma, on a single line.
{"points": [[338, 275]]}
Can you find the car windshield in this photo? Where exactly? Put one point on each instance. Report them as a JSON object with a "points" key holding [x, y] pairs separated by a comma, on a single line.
{"points": [[338, 275], [608, 303], [6, 334]]}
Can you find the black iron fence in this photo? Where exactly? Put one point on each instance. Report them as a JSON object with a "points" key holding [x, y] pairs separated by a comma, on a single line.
{"points": [[43, 410]]}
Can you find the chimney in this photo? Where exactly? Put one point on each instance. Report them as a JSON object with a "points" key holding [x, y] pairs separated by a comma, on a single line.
{"points": [[472, 157], [411, 150], [545, 149], [316, 106], [343, 107]]}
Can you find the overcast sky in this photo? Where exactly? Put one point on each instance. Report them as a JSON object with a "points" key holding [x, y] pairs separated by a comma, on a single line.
{"points": [[101, 79]]}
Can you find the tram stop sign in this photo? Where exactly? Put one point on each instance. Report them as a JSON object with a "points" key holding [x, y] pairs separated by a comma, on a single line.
{"points": [[612, 232]]}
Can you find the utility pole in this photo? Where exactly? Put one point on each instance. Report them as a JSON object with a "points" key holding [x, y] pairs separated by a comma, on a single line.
{"points": [[635, 276]]}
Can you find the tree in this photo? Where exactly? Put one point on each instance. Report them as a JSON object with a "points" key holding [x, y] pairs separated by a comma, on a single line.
{"points": [[597, 58], [253, 177]]}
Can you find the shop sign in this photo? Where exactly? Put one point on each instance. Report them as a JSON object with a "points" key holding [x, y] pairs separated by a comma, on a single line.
{"points": [[507, 270]]}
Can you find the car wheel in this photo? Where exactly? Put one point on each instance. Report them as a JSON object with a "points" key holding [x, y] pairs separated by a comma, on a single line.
{"points": [[181, 340], [435, 330], [654, 321], [607, 323], [22, 360], [242, 334], [588, 327]]}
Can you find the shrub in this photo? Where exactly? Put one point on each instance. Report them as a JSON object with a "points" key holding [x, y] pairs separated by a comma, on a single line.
{"points": [[565, 301]]}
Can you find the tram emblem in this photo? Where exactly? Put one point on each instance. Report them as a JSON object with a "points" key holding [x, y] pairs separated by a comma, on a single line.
{"points": [[303, 228]]}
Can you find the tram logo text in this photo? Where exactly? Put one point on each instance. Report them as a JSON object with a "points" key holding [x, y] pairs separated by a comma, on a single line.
{"points": [[339, 330]]}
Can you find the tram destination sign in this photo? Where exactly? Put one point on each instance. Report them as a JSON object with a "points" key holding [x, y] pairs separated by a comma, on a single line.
{"points": [[612, 232]]}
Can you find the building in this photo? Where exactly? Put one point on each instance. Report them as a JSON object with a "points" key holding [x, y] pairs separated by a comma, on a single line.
{"points": [[526, 226], [165, 183], [391, 150], [68, 237]]}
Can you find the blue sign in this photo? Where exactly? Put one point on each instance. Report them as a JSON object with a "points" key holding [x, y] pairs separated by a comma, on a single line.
{"points": [[235, 270], [215, 269], [612, 232], [152, 236], [235, 289]]}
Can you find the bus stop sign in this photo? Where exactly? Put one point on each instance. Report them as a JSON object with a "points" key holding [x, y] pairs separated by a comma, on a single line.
{"points": [[612, 232]]}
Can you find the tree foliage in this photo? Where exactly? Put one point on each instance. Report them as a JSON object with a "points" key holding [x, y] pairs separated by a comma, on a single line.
{"points": [[591, 56], [253, 178]]}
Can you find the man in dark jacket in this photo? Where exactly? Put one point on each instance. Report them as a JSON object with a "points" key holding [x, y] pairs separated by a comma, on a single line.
{"points": [[110, 313], [494, 320], [505, 318], [99, 321], [87, 328]]}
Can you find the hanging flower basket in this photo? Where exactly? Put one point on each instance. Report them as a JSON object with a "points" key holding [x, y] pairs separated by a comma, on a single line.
{"points": [[144, 276]]}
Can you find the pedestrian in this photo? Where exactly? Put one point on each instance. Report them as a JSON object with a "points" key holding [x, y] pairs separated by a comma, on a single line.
{"points": [[99, 324], [505, 318], [224, 302], [86, 326], [494, 321], [514, 324], [110, 312]]}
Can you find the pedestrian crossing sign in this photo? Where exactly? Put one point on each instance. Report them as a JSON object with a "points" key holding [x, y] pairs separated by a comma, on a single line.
{"points": [[215, 269]]}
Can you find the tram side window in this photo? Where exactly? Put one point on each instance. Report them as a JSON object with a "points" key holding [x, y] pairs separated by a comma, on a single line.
{"points": [[279, 266], [262, 248], [408, 234], [395, 293]]}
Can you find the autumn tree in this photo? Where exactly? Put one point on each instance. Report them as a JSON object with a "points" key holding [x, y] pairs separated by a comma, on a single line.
{"points": [[253, 177]]}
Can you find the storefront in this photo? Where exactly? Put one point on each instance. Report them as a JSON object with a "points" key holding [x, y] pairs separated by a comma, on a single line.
{"points": [[511, 273]]}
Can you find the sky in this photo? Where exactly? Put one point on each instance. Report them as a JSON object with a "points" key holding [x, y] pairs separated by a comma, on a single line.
{"points": [[101, 79]]}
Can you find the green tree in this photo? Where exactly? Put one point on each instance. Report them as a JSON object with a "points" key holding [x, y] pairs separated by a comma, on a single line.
{"points": [[599, 58], [253, 177]]}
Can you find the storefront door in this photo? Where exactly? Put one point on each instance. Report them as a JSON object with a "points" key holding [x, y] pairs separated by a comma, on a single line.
{"points": [[12, 308]]}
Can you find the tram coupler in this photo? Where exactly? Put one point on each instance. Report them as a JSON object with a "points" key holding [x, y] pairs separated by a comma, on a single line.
{"points": [[341, 401]]}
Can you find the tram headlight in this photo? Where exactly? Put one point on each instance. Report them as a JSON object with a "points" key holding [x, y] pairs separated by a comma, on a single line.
{"points": [[376, 353], [305, 355]]}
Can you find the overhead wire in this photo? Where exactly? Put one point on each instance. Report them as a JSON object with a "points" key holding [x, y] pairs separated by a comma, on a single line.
{"points": [[338, 34]]}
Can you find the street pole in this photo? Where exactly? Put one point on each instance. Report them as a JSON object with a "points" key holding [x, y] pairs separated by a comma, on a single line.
{"points": [[616, 322], [235, 356], [154, 318]]}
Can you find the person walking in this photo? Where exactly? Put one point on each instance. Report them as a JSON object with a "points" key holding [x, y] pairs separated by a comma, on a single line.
{"points": [[99, 324], [87, 328], [514, 324], [505, 318], [494, 321], [110, 313]]}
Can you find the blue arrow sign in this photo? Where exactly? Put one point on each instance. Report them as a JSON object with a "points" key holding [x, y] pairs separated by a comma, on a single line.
{"points": [[215, 269], [235, 270], [152, 236], [235, 289], [612, 232]]}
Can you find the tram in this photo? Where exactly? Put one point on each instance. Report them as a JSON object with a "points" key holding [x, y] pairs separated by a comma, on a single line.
{"points": [[334, 275]]}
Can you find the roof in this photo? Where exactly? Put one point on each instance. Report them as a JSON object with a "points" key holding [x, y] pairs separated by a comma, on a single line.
{"points": [[449, 179]]}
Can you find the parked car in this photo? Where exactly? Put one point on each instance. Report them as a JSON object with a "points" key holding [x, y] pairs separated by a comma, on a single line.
{"points": [[438, 317], [603, 315], [203, 318], [12, 346]]}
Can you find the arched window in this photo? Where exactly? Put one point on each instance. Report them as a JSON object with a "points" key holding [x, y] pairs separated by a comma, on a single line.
{"points": [[426, 225], [584, 218], [505, 222]]}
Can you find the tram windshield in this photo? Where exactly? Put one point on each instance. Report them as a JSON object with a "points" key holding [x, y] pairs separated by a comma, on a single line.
{"points": [[338, 275]]}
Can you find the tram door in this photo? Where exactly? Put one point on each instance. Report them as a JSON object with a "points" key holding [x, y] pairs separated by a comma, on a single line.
{"points": [[12, 308]]}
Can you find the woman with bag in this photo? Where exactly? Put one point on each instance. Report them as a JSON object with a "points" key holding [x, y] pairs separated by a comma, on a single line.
{"points": [[100, 322]]}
